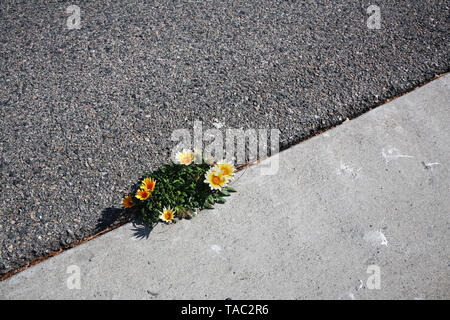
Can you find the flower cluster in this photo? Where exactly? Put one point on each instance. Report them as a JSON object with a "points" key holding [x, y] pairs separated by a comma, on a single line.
{"points": [[220, 175], [146, 189], [178, 190]]}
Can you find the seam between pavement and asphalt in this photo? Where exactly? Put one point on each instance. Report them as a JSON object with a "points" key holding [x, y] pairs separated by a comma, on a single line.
{"points": [[372, 192]]}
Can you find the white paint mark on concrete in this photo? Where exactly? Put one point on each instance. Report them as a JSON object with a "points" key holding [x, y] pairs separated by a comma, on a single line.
{"points": [[346, 169], [351, 295], [390, 154], [376, 237], [430, 165], [216, 248]]}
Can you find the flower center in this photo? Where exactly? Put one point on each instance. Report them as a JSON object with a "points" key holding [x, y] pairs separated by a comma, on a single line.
{"points": [[216, 180], [186, 159], [168, 215]]}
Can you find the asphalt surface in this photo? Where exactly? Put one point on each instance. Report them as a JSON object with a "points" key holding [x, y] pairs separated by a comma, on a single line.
{"points": [[85, 112]]}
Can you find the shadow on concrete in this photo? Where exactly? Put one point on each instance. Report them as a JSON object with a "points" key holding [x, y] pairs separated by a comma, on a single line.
{"points": [[111, 217], [141, 230]]}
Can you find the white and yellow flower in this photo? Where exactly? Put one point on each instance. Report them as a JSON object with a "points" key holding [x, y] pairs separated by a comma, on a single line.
{"points": [[167, 214], [216, 179], [185, 157], [226, 168]]}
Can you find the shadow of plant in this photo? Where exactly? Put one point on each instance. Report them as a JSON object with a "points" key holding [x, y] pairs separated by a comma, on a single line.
{"points": [[141, 230], [110, 217], [113, 216]]}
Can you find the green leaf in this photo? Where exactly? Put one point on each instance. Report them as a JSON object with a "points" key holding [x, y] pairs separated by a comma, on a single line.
{"points": [[230, 189], [224, 192], [208, 206], [221, 200]]}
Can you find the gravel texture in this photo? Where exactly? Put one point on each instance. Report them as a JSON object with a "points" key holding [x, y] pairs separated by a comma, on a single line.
{"points": [[85, 112]]}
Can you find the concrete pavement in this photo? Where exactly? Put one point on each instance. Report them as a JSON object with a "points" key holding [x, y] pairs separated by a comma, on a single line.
{"points": [[369, 196]]}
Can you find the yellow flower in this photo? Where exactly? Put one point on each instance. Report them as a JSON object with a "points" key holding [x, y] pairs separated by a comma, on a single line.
{"points": [[167, 214], [148, 184], [142, 194], [185, 157], [127, 202], [215, 178], [226, 168]]}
